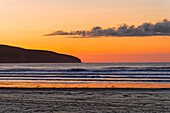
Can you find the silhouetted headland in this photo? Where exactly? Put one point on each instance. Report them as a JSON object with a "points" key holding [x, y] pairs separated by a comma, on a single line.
{"points": [[10, 54]]}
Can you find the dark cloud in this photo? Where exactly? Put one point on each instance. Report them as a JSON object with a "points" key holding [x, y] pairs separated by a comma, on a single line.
{"points": [[146, 29]]}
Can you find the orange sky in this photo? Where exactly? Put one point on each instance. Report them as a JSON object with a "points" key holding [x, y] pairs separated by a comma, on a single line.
{"points": [[24, 22]]}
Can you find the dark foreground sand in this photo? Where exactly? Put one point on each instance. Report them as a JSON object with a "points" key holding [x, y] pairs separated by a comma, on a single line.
{"points": [[84, 100]]}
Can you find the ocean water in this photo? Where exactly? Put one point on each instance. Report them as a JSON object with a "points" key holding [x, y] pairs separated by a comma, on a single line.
{"points": [[86, 73]]}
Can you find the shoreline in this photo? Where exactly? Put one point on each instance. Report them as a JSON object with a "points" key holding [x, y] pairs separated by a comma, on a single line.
{"points": [[13, 85], [87, 89]]}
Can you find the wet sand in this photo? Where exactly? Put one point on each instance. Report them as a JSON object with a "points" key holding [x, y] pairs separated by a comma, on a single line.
{"points": [[54, 85], [84, 100], [49, 97]]}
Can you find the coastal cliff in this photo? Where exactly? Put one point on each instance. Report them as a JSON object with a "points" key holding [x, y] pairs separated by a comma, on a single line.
{"points": [[10, 54]]}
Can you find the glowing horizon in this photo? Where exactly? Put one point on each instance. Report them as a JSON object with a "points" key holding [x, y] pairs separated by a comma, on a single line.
{"points": [[24, 22]]}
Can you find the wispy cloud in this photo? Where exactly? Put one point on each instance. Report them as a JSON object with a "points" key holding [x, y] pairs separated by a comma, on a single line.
{"points": [[146, 29]]}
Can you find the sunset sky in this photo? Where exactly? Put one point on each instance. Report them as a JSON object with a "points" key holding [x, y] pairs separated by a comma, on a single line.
{"points": [[24, 23]]}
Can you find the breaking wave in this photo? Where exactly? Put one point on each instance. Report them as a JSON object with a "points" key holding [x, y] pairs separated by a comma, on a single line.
{"points": [[85, 73]]}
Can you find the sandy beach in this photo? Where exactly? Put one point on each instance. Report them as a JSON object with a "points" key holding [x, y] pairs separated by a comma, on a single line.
{"points": [[85, 100]]}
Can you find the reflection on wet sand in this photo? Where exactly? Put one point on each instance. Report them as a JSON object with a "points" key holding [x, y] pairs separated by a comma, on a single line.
{"points": [[53, 85]]}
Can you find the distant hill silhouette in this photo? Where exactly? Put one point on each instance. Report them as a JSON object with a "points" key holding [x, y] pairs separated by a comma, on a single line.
{"points": [[10, 54]]}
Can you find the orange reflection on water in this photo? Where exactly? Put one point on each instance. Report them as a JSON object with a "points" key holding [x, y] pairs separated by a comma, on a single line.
{"points": [[53, 85]]}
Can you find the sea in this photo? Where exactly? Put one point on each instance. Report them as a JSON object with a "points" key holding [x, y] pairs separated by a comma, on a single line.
{"points": [[82, 73]]}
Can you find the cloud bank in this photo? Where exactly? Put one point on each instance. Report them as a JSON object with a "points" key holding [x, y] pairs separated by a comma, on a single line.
{"points": [[146, 29]]}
